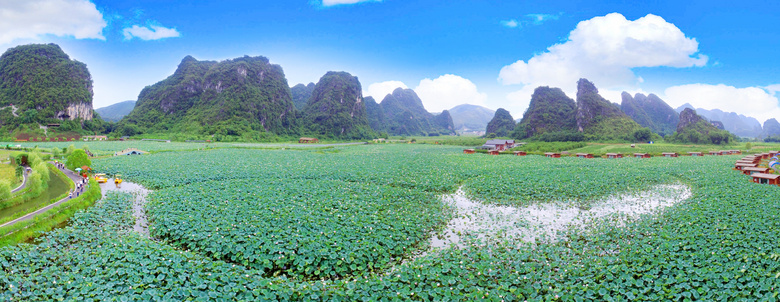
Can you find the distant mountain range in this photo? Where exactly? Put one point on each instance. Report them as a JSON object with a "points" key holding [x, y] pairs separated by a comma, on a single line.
{"points": [[468, 117], [738, 124], [115, 112]]}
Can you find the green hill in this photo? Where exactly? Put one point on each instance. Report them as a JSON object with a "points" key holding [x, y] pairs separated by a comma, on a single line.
{"points": [[336, 108], [115, 112], [502, 123], [406, 115], [550, 111], [239, 97], [39, 83], [599, 119], [301, 94]]}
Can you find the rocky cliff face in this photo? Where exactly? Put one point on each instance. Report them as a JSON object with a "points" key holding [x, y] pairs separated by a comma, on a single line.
{"points": [[43, 78], [82, 111]]}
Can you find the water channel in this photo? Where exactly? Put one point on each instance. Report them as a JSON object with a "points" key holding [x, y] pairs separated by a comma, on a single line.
{"points": [[57, 187]]}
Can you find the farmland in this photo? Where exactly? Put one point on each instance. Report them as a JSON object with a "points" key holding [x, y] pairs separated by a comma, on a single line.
{"points": [[353, 223]]}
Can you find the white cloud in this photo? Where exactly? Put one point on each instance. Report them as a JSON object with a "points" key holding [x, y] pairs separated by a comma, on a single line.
{"points": [[774, 89], [538, 19], [510, 23], [342, 2], [750, 101], [448, 91], [379, 90], [604, 50], [153, 32], [31, 19]]}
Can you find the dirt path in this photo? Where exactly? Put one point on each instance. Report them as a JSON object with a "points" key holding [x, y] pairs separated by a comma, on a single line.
{"points": [[73, 177]]}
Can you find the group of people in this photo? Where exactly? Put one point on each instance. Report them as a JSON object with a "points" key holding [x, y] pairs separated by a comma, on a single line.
{"points": [[80, 185]]}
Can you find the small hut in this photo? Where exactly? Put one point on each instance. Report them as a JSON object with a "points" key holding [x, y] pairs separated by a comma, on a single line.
{"points": [[736, 152], [614, 155], [716, 152], [764, 155], [695, 154], [520, 153], [773, 153], [745, 162], [468, 151], [308, 140], [493, 152], [670, 154], [740, 166], [769, 179], [642, 155], [552, 154], [584, 155], [753, 170]]}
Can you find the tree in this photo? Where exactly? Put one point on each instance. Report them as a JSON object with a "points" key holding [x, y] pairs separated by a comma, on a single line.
{"points": [[643, 135], [77, 159], [5, 190]]}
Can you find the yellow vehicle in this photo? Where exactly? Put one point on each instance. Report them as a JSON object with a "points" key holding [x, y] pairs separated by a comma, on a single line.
{"points": [[118, 179], [101, 178]]}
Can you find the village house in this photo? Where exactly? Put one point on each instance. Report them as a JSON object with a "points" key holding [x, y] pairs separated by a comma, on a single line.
{"points": [[695, 154], [642, 155], [614, 155], [498, 144], [670, 154], [552, 155], [584, 155], [753, 170], [769, 179], [520, 153]]}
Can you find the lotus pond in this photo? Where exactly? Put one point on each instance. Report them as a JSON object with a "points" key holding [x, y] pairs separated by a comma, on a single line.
{"points": [[354, 223]]}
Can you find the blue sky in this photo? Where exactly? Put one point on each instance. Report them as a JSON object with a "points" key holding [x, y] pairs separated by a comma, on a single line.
{"points": [[713, 54]]}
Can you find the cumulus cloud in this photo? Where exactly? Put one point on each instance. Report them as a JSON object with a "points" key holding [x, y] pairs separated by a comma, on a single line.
{"points": [[448, 91], [344, 2], [774, 89], [510, 23], [31, 19], [379, 90], [757, 102], [604, 50], [152, 32]]}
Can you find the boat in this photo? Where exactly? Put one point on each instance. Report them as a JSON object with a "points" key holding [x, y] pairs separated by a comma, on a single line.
{"points": [[118, 179], [101, 178]]}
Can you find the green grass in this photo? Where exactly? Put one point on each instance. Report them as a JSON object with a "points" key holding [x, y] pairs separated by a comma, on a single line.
{"points": [[8, 172]]}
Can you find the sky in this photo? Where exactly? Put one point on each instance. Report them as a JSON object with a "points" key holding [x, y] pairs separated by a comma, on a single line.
{"points": [[711, 54]]}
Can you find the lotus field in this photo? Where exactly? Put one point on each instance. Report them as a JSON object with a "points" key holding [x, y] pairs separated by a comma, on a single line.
{"points": [[355, 224]]}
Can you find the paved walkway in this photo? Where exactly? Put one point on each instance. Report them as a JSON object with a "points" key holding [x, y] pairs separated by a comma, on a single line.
{"points": [[73, 177], [24, 181]]}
